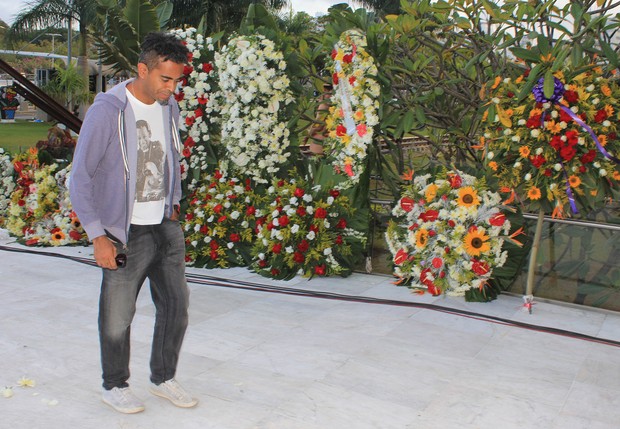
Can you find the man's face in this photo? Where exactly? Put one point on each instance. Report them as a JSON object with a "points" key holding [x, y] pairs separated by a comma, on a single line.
{"points": [[161, 81], [143, 138]]}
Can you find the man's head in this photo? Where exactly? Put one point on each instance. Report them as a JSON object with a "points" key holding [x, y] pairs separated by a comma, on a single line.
{"points": [[160, 66]]}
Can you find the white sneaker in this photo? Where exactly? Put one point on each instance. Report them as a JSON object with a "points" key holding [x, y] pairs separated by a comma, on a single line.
{"points": [[122, 400], [174, 392]]}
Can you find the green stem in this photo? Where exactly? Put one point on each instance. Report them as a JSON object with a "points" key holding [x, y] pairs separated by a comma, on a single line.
{"points": [[529, 287]]}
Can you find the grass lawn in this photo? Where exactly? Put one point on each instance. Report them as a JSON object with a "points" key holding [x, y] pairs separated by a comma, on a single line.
{"points": [[18, 136]]}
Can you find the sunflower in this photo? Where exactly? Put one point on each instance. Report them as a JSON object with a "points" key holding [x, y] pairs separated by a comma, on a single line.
{"points": [[534, 193], [57, 235], [421, 238], [574, 181], [468, 197], [476, 242]]}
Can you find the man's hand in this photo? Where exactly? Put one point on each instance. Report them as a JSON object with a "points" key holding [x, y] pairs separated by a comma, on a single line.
{"points": [[176, 212], [105, 252]]}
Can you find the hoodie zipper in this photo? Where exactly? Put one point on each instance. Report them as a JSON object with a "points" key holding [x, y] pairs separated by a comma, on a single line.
{"points": [[123, 145]]}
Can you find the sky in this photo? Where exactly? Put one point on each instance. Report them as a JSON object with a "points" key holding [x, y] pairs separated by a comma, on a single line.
{"points": [[10, 8]]}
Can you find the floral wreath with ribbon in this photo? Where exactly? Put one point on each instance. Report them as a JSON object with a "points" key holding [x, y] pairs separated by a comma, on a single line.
{"points": [[354, 104], [553, 151]]}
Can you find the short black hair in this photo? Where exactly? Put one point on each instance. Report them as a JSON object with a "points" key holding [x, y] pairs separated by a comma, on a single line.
{"points": [[158, 46]]}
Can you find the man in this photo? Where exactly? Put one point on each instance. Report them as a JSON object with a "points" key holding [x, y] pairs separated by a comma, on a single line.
{"points": [[135, 238]]}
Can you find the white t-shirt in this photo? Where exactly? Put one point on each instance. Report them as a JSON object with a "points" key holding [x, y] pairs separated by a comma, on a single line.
{"points": [[150, 200]]}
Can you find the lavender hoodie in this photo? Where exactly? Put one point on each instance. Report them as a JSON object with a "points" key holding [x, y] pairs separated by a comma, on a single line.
{"points": [[102, 185]]}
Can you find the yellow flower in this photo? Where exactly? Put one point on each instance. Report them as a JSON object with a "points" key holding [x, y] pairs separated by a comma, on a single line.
{"points": [[535, 112], [616, 175], [524, 151], [594, 192], [359, 115], [58, 236], [476, 242], [534, 193], [553, 127], [519, 79], [431, 192], [493, 165], [602, 139], [421, 238], [468, 197], [339, 55], [574, 181], [609, 110]]}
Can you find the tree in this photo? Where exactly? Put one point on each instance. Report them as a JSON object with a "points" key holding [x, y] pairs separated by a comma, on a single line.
{"points": [[217, 15], [53, 13]]}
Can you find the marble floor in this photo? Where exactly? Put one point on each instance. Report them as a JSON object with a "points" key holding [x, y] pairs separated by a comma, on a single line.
{"points": [[265, 359]]}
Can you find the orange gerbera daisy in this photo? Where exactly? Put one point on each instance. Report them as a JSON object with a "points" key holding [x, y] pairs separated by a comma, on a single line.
{"points": [[468, 197], [534, 193], [574, 181], [493, 165], [524, 151], [616, 175], [431, 192], [476, 242]]}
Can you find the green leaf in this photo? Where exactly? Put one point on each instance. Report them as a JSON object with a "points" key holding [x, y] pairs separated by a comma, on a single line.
{"points": [[525, 54], [549, 84], [610, 54], [408, 121]]}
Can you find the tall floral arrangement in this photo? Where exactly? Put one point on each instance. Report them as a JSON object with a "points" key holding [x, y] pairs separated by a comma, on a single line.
{"points": [[353, 114], [305, 231], [7, 184], [447, 234], [197, 103], [219, 222], [254, 92], [40, 212], [555, 148]]}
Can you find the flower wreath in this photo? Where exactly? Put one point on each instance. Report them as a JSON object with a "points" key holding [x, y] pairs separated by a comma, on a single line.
{"points": [[197, 104], [40, 212], [220, 221], [7, 184], [553, 151], [254, 89], [353, 114], [447, 235], [305, 232]]}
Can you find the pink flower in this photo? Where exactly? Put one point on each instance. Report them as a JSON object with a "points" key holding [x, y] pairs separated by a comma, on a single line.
{"points": [[362, 130]]}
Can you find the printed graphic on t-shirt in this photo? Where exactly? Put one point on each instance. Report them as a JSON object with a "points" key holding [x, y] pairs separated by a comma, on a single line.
{"points": [[150, 177]]}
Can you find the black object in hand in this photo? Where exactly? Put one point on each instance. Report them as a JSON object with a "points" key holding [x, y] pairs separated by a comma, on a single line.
{"points": [[121, 260]]}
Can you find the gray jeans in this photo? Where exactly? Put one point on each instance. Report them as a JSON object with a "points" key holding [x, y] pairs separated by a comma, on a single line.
{"points": [[156, 252]]}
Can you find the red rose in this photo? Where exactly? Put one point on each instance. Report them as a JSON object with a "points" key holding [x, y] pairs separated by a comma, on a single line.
{"points": [[320, 270], [537, 161], [221, 219], [277, 248], [352, 80], [262, 263], [250, 211], [178, 96], [437, 262], [299, 257], [217, 175], [204, 229], [189, 121], [497, 219], [600, 116], [217, 209], [334, 54], [338, 239], [533, 122], [510, 94], [207, 67], [283, 220], [213, 245], [548, 172], [187, 69], [299, 192], [320, 213], [341, 130], [314, 228], [234, 237], [342, 224], [406, 204], [565, 117], [334, 193], [451, 223], [348, 58], [275, 272], [303, 246], [189, 142], [75, 235], [213, 254], [588, 157], [335, 78], [401, 256], [571, 96]]}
